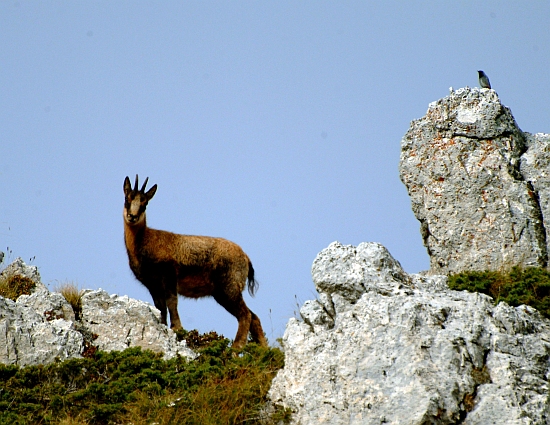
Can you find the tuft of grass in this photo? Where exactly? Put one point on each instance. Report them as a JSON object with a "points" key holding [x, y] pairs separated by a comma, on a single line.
{"points": [[73, 295], [529, 286], [12, 286], [139, 387]]}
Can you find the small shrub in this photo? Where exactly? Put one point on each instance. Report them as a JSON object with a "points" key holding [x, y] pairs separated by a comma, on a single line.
{"points": [[529, 286], [12, 286], [281, 415], [481, 376], [196, 340]]}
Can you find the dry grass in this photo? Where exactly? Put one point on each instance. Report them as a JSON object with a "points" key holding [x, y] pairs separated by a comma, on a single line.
{"points": [[235, 398], [73, 294], [72, 421], [14, 285]]}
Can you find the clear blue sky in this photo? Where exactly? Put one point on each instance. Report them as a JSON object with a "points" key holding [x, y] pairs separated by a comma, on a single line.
{"points": [[273, 124]]}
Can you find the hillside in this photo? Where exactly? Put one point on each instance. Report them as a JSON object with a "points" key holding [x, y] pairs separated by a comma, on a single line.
{"points": [[466, 342]]}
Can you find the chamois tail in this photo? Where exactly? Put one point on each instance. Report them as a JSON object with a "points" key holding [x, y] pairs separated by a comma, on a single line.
{"points": [[252, 283]]}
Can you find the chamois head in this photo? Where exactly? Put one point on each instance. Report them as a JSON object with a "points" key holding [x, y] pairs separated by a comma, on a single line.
{"points": [[135, 201]]}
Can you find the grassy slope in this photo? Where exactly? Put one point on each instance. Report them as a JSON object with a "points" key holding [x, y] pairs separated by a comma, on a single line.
{"points": [[219, 387], [138, 387]]}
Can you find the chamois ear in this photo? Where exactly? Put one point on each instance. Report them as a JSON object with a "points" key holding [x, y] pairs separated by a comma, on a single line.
{"points": [[127, 186], [151, 192]]}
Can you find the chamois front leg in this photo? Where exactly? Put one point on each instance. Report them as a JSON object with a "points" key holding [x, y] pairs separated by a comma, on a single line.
{"points": [[169, 284], [160, 302], [172, 302]]}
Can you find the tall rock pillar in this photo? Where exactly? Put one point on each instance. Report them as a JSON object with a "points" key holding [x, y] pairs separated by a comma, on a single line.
{"points": [[462, 165]]}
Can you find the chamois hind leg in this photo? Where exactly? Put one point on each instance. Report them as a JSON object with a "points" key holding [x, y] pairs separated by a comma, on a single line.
{"points": [[237, 307], [256, 331]]}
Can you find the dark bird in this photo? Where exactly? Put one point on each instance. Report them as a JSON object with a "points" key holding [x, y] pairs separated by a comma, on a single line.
{"points": [[484, 80]]}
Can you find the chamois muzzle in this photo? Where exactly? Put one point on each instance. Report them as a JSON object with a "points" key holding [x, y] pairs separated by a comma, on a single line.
{"points": [[132, 218]]}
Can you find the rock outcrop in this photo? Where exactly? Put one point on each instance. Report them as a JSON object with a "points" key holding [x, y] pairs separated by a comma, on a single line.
{"points": [[41, 328], [381, 346], [28, 338], [33, 330], [478, 184], [123, 322]]}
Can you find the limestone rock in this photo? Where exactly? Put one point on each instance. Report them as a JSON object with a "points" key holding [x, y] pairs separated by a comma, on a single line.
{"points": [[477, 206], [28, 338], [122, 322], [52, 305], [355, 271], [41, 327], [535, 168], [31, 331], [18, 267], [407, 350]]}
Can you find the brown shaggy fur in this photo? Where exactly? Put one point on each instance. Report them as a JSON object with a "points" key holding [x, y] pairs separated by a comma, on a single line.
{"points": [[169, 264]]}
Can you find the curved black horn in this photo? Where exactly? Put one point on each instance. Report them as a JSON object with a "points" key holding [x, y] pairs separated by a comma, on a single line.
{"points": [[144, 184], [135, 185]]}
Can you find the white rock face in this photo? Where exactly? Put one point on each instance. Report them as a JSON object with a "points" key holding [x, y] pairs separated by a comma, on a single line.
{"points": [[52, 305], [122, 322], [392, 348], [27, 338], [478, 184], [41, 327], [30, 331], [18, 267], [535, 167]]}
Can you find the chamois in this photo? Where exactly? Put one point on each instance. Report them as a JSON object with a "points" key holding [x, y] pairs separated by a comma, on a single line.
{"points": [[169, 264]]}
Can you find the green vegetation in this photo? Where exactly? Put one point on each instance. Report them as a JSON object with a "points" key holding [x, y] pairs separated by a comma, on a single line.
{"points": [[13, 285], [221, 386], [530, 286]]}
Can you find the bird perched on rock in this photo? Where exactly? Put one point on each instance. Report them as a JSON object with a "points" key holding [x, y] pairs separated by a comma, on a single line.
{"points": [[484, 80]]}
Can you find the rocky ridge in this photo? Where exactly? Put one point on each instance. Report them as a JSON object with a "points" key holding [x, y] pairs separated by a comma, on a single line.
{"points": [[41, 328], [381, 346]]}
